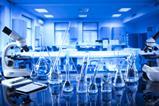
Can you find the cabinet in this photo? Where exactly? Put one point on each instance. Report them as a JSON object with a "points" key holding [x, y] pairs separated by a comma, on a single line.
{"points": [[137, 40]]}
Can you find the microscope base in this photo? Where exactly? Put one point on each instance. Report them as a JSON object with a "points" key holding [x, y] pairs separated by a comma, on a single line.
{"points": [[9, 73]]}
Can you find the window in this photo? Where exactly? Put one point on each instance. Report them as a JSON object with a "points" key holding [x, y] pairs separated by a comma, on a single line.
{"points": [[61, 33], [89, 33], [29, 29]]}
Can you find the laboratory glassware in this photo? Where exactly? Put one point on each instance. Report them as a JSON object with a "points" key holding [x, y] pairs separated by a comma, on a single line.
{"points": [[92, 88], [67, 86], [106, 83], [34, 73], [82, 83], [118, 80], [54, 74], [42, 69], [131, 74]]}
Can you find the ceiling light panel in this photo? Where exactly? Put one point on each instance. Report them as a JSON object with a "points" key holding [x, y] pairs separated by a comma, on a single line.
{"points": [[124, 9], [82, 15], [41, 10], [116, 15], [49, 16]]}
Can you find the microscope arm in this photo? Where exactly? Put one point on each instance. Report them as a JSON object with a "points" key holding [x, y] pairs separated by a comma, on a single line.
{"points": [[4, 53], [156, 36]]}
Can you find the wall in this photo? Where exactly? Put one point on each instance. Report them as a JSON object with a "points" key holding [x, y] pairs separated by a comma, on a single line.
{"points": [[49, 29], [143, 23], [5, 21], [10, 11]]}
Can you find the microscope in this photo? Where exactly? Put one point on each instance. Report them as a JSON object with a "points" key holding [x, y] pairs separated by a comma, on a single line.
{"points": [[9, 57], [151, 49], [151, 43]]}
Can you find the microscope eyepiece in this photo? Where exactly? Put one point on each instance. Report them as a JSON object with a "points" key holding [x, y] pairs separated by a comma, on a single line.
{"points": [[7, 31]]}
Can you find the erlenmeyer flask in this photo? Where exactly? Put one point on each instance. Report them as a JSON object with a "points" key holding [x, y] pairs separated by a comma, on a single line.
{"points": [[54, 74], [131, 74], [118, 80], [67, 87], [106, 84], [42, 69], [92, 88], [82, 83], [34, 73]]}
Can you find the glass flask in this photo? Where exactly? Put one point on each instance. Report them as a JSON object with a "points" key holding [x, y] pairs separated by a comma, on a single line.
{"points": [[131, 74], [106, 84], [33, 74], [92, 88], [118, 80], [41, 68], [67, 87], [55, 75], [82, 83]]}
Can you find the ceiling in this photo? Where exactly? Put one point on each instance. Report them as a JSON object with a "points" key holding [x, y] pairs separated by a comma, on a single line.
{"points": [[98, 9]]}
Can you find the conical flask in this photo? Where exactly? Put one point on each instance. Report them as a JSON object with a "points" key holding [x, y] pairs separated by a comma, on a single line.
{"points": [[106, 84], [55, 75], [118, 80], [131, 74], [67, 87], [41, 67], [92, 88], [34, 73], [82, 83]]}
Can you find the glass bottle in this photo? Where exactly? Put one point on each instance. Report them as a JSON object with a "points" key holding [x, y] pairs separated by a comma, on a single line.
{"points": [[67, 87], [131, 74], [82, 83]]}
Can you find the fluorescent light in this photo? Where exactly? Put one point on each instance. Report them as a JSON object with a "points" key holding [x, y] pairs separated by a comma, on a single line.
{"points": [[40, 21], [82, 15], [116, 15], [41, 10], [49, 16], [124, 9]]}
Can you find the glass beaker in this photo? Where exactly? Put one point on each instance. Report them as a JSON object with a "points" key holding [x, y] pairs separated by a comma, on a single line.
{"points": [[82, 83], [67, 86], [106, 84], [55, 75], [131, 74]]}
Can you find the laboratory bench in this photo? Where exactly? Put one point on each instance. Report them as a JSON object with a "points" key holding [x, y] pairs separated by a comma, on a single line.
{"points": [[142, 93]]}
